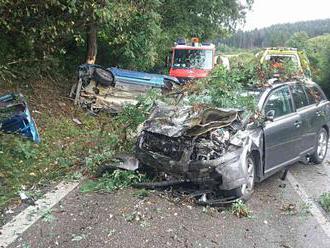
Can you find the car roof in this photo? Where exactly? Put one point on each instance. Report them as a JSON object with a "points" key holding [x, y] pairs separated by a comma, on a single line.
{"points": [[275, 82], [276, 85]]}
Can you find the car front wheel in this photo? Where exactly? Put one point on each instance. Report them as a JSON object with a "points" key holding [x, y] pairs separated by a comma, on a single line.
{"points": [[245, 191], [321, 146]]}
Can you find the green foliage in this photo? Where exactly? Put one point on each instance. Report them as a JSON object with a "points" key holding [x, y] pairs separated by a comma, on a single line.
{"points": [[318, 52], [48, 217], [240, 209], [109, 182], [225, 89], [325, 201], [223, 48], [96, 158], [66, 147], [318, 56], [202, 18], [298, 40], [132, 34], [25, 163], [278, 35]]}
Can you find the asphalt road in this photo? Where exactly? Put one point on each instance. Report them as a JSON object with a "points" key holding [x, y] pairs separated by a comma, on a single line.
{"points": [[280, 218]]}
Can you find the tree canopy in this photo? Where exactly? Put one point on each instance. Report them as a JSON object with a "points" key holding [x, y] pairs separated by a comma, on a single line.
{"points": [[131, 34], [276, 35]]}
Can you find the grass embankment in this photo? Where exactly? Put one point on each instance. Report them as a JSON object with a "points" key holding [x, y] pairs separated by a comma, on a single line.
{"points": [[67, 149]]}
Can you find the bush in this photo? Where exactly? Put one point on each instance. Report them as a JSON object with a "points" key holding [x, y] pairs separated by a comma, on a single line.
{"points": [[109, 182], [240, 209], [325, 201]]}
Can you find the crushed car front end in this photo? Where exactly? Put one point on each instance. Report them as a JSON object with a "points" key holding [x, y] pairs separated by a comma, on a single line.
{"points": [[196, 144]]}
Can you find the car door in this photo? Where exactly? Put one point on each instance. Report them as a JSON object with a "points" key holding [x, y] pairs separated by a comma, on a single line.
{"points": [[320, 106], [307, 111], [282, 134]]}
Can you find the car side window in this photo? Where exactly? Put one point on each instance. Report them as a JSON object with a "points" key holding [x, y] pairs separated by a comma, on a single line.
{"points": [[299, 96], [311, 95], [314, 94], [279, 101]]}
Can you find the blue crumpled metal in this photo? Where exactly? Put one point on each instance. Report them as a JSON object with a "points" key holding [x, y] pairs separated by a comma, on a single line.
{"points": [[137, 77], [15, 117]]}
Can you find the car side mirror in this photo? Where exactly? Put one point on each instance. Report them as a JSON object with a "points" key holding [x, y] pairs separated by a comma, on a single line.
{"points": [[270, 115]]}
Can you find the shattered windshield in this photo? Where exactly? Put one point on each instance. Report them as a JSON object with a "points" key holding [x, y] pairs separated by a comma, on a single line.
{"points": [[193, 58]]}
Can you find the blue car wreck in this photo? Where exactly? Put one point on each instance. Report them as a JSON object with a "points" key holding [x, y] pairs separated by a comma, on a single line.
{"points": [[111, 88], [15, 117]]}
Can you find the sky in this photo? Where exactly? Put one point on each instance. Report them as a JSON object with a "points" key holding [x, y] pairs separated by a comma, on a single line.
{"points": [[268, 12]]}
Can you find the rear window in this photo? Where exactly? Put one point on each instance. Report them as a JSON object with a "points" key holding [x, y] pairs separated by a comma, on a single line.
{"points": [[299, 96], [280, 59]]}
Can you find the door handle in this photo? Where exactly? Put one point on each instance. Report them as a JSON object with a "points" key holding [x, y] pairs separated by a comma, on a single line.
{"points": [[297, 123]]}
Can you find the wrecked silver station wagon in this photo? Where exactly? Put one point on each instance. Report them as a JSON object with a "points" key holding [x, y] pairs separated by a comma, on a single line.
{"points": [[222, 150]]}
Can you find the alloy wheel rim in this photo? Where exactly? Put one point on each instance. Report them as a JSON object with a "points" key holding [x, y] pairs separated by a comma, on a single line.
{"points": [[248, 187], [322, 145]]}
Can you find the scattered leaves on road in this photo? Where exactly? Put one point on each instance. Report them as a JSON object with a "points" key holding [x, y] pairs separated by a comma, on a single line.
{"points": [[289, 208], [77, 238], [118, 179], [48, 217]]}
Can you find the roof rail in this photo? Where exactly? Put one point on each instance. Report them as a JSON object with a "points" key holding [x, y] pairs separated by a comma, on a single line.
{"points": [[282, 48]]}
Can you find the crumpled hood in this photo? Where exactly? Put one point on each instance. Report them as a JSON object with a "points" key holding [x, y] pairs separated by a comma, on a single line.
{"points": [[175, 121]]}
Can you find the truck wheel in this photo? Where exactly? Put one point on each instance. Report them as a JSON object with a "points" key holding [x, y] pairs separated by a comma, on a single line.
{"points": [[321, 146], [245, 191]]}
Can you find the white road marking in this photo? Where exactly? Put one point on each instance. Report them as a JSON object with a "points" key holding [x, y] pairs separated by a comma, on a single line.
{"points": [[12, 230], [314, 209]]}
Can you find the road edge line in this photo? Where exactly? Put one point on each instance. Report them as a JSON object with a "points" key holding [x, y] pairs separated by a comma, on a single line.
{"points": [[314, 209], [21, 222]]}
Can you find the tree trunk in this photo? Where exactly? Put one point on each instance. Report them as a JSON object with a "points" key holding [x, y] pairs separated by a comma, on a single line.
{"points": [[91, 43]]}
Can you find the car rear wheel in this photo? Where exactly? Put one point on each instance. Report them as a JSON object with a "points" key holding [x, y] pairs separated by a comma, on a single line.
{"points": [[245, 191], [321, 146]]}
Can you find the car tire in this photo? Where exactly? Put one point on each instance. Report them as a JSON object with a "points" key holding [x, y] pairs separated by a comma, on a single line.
{"points": [[246, 190], [321, 146], [104, 77]]}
